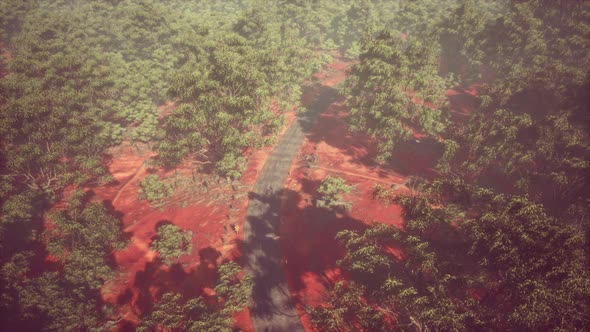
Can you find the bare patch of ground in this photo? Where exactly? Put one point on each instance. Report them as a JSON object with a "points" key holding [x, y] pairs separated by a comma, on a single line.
{"points": [[308, 243]]}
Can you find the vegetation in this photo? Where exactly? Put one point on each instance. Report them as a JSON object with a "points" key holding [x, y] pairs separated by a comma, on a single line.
{"points": [[531, 128], [509, 265], [331, 190], [172, 242], [345, 301], [173, 312], [85, 75], [82, 239], [394, 90], [153, 189], [499, 240]]}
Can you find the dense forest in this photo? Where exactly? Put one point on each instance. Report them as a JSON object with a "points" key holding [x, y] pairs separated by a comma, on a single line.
{"points": [[497, 240]]}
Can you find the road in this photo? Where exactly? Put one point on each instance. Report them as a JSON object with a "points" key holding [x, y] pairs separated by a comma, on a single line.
{"points": [[272, 308]]}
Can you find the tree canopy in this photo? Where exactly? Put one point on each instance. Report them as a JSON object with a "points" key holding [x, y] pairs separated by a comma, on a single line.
{"points": [[171, 242], [498, 239], [395, 90], [174, 312]]}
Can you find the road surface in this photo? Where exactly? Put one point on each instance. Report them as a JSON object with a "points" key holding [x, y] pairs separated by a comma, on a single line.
{"points": [[272, 308]]}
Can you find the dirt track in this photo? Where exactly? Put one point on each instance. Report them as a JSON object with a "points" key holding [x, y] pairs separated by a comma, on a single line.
{"points": [[272, 309]]}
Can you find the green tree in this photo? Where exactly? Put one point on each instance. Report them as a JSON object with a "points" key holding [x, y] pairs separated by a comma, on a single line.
{"points": [[537, 263], [153, 189], [539, 46], [394, 90], [530, 131], [347, 310], [460, 37], [53, 76], [83, 237], [172, 242], [421, 289], [172, 312], [20, 221], [420, 18], [223, 107], [59, 305]]}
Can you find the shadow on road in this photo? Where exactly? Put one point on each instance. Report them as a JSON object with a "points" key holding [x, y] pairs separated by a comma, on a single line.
{"points": [[309, 240], [272, 308]]}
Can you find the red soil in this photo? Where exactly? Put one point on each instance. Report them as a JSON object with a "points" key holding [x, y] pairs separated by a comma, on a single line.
{"points": [[3, 62], [215, 219], [462, 102], [140, 275], [166, 109], [211, 217], [308, 233], [335, 73], [309, 248]]}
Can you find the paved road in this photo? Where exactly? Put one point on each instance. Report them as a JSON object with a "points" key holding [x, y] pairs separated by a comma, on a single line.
{"points": [[272, 309]]}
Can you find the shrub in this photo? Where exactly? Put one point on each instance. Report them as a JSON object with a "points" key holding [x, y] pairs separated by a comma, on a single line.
{"points": [[154, 190], [331, 190], [172, 242], [384, 193]]}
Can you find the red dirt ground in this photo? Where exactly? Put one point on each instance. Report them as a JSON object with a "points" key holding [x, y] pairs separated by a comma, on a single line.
{"points": [[215, 219], [140, 274], [210, 216], [462, 102], [307, 233], [309, 248]]}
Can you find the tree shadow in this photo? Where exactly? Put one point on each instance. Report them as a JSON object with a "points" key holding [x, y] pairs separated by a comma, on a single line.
{"points": [[108, 204], [416, 158], [309, 242], [156, 279], [538, 102], [160, 223], [273, 252], [331, 128], [410, 158], [462, 104], [209, 255], [326, 96], [261, 250]]}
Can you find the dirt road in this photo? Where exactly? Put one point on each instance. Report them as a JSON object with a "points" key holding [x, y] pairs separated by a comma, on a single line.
{"points": [[272, 309]]}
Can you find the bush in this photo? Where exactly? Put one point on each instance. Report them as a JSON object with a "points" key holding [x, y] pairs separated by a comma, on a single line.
{"points": [[383, 193], [354, 51], [172, 242], [331, 190], [330, 45], [154, 190]]}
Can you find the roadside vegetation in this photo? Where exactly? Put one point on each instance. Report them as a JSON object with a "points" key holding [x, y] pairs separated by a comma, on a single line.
{"points": [[173, 312], [331, 191], [154, 190], [497, 240]]}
